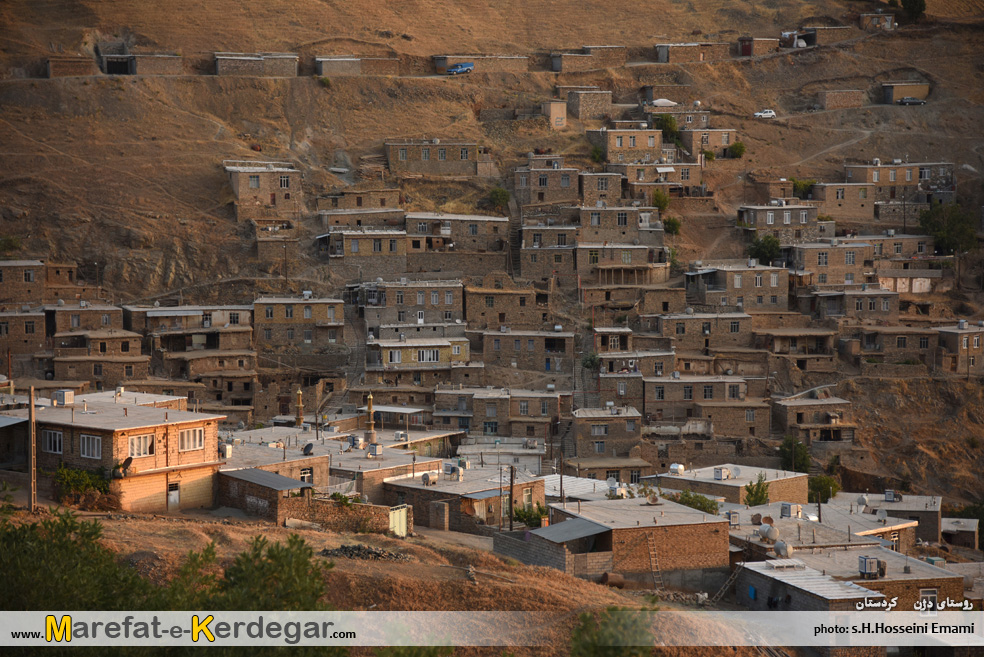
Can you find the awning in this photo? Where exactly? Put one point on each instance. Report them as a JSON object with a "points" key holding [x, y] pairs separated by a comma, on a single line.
{"points": [[266, 479], [7, 420], [570, 530], [486, 494], [402, 410], [665, 169]]}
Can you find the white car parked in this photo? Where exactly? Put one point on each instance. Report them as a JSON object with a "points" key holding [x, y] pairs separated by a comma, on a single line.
{"points": [[765, 114]]}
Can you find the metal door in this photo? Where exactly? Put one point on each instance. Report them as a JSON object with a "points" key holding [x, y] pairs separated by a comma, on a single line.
{"points": [[173, 497], [398, 520]]}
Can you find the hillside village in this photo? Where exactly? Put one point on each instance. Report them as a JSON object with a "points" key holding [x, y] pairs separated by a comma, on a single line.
{"points": [[616, 342]]}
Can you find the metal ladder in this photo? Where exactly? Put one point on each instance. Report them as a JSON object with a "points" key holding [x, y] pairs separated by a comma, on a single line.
{"points": [[731, 580], [654, 564]]}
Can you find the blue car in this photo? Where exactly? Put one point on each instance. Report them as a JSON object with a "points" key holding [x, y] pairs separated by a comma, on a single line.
{"points": [[464, 67]]}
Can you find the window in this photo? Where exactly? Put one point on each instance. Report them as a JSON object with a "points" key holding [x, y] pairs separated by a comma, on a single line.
{"points": [[688, 393], [749, 415], [377, 246], [141, 446], [849, 257], [425, 154], [428, 355], [634, 476], [191, 439], [491, 428], [735, 326], [284, 182], [473, 229], [97, 369], [758, 280], [599, 446], [442, 154], [621, 388], [770, 218], [787, 217], [632, 142], [289, 312], [490, 301], [491, 410], [626, 257], [290, 334], [523, 181], [802, 216], [435, 297], [307, 475], [622, 218], [708, 392], [307, 312], [886, 305], [464, 153], [530, 345], [399, 297], [128, 370], [524, 408], [593, 257], [448, 298], [966, 342], [900, 342], [908, 175], [859, 304], [924, 343], [921, 247], [393, 244], [871, 304], [822, 258], [898, 248], [923, 173], [774, 280], [822, 279], [685, 174], [267, 334], [90, 446], [308, 336], [599, 429], [705, 138], [517, 345], [565, 180], [891, 175], [456, 349], [602, 184], [839, 193], [618, 142], [403, 155], [734, 391], [929, 598], [977, 341], [849, 278], [269, 312], [51, 441], [542, 180], [738, 280], [4, 329], [875, 175], [681, 328], [544, 407], [254, 182], [659, 393]]}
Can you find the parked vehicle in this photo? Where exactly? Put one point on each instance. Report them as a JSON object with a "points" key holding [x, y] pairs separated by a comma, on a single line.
{"points": [[765, 114], [909, 100], [463, 67]]}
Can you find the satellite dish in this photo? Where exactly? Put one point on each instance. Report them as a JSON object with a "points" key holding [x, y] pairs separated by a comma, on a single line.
{"points": [[863, 500], [736, 472], [653, 498], [127, 463], [611, 482], [757, 519], [882, 514], [780, 549], [767, 520], [308, 449]]}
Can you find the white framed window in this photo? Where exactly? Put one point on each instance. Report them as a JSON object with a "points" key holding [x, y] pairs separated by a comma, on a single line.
{"points": [[775, 280], [51, 441], [658, 393], [428, 355], [395, 356], [599, 429], [191, 439], [307, 312], [456, 349], [770, 218], [749, 415], [90, 446], [621, 388], [284, 182], [307, 475], [849, 257], [141, 446], [885, 305], [254, 182], [787, 217], [599, 446], [524, 408], [738, 281], [420, 298], [435, 297]]}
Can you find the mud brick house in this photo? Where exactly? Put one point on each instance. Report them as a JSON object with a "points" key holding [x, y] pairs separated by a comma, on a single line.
{"points": [[306, 323], [545, 179], [814, 416], [265, 64], [792, 224], [589, 104], [265, 190], [728, 481], [438, 157], [470, 499], [749, 46], [620, 223], [623, 469], [555, 112], [536, 351], [501, 412], [754, 286], [610, 431], [174, 453], [676, 398], [437, 231], [587, 539], [367, 198], [691, 330], [104, 357], [960, 531], [498, 301], [927, 182], [715, 140], [346, 65], [600, 188], [416, 301], [424, 361], [673, 53], [589, 58], [624, 144], [960, 350], [38, 281]]}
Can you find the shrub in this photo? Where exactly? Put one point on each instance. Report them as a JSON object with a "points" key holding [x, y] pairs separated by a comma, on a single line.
{"points": [[695, 501], [532, 517], [821, 488], [708, 155], [72, 483], [765, 249], [794, 455], [325, 82], [668, 123], [953, 229], [757, 493], [597, 154], [9, 243], [802, 187], [671, 225], [661, 200], [591, 361], [499, 198], [737, 150]]}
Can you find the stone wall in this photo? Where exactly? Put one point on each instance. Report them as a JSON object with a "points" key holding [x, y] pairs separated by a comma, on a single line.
{"points": [[59, 67], [589, 104], [158, 65], [532, 550], [335, 516], [485, 63], [466, 263], [842, 99]]}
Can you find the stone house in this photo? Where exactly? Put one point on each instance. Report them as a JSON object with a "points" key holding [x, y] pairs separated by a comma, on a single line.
{"points": [[892, 92], [625, 144], [749, 46], [545, 179], [535, 351], [834, 263], [610, 431], [601, 187], [913, 181], [437, 231], [686, 116], [809, 348], [924, 509], [792, 224], [696, 331], [353, 253], [891, 344], [21, 334], [39, 281], [70, 66], [438, 157], [728, 481], [620, 223], [875, 22], [424, 361], [355, 219], [589, 104], [361, 199], [501, 412], [753, 286], [265, 191], [265, 64], [960, 350], [675, 398], [814, 415], [609, 264], [417, 301], [174, 453], [845, 201], [623, 469], [715, 140], [306, 324], [498, 301], [589, 58], [856, 303], [104, 357], [81, 315]]}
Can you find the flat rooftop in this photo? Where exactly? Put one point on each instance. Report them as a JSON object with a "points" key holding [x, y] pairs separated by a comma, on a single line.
{"points": [[740, 475], [876, 501], [842, 564], [256, 454], [794, 572], [637, 512], [454, 217], [127, 397], [113, 417], [476, 479], [614, 411]]}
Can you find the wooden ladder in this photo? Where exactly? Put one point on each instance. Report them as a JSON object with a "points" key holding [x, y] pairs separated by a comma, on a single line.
{"points": [[654, 564], [731, 580]]}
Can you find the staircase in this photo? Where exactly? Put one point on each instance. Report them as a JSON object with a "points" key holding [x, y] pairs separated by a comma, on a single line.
{"points": [[567, 443], [727, 585], [654, 564], [515, 237]]}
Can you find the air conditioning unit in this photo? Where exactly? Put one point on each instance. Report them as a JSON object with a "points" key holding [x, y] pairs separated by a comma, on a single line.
{"points": [[64, 397], [225, 451], [206, 323], [722, 474], [868, 567]]}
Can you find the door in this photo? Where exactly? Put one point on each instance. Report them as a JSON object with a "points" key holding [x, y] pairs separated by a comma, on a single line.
{"points": [[398, 520], [273, 198], [420, 316], [173, 497]]}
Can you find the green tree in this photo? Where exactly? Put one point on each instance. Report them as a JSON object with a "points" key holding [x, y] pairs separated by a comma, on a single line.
{"points": [[597, 154], [532, 517], [757, 493], [615, 632], [914, 9], [708, 155], [737, 150], [591, 360], [695, 501], [499, 198], [821, 488], [668, 123], [765, 249], [671, 225], [953, 229], [794, 455], [661, 200], [802, 186]]}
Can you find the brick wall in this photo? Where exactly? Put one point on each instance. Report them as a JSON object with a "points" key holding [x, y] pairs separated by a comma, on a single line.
{"points": [[790, 489], [842, 99], [532, 550], [158, 65], [59, 67]]}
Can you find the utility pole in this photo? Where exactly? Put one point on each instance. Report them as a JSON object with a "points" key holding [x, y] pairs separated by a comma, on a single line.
{"points": [[33, 465], [286, 278], [500, 493], [512, 502]]}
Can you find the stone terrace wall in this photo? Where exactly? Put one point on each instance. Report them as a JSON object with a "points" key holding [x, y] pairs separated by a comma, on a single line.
{"points": [[59, 67], [332, 515], [589, 104], [842, 99], [158, 65]]}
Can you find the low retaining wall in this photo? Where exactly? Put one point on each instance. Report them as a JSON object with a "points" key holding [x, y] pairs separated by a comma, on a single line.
{"points": [[893, 370], [335, 516]]}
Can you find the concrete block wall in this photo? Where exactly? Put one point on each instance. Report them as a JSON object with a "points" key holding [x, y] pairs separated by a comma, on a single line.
{"points": [[532, 550]]}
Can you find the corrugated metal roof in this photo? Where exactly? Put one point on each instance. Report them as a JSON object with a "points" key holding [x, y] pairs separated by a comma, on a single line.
{"points": [[570, 530], [7, 421], [267, 479], [486, 494]]}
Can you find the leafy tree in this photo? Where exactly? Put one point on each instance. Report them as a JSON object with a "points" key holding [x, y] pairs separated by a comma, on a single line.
{"points": [[668, 123], [597, 154], [661, 200], [695, 501], [671, 225], [914, 9], [499, 198], [615, 632], [532, 517], [737, 150], [953, 229], [802, 187], [794, 455], [708, 155], [765, 249], [757, 492], [821, 488], [591, 360]]}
